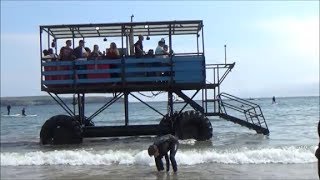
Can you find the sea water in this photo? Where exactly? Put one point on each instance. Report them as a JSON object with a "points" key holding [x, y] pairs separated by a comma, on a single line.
{"points": [[234, 152]]}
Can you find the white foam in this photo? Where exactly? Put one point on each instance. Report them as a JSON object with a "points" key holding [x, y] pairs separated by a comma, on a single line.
{"points": [[287, 155], [188, 141]]}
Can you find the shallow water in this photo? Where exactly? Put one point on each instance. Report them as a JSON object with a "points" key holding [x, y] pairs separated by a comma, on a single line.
{"points": [[234, 152]]}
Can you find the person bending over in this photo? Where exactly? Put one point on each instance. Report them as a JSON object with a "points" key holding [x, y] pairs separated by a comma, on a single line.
{"points": [[161, 147]]}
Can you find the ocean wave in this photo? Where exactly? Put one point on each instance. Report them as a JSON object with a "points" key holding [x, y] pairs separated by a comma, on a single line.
{"points": [[285, 155]]}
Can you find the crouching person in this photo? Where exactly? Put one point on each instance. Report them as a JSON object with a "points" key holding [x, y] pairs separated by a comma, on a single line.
{"points": [[161, 147]]}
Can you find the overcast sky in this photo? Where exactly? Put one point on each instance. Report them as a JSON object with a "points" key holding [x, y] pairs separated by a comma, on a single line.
{"points": [[275, 44]]}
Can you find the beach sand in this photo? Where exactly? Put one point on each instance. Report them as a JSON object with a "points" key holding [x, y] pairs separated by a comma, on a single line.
{"points": [[202, 171]]}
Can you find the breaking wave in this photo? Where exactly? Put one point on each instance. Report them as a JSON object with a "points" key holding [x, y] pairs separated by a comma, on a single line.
{"points": [[285, 155]]}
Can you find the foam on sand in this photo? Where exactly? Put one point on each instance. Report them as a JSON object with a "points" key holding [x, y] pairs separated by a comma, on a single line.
{"points": [[284, 155]]}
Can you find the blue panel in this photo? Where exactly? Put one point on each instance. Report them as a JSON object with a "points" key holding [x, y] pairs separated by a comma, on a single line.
{"points": [[105, 80], [58, 63], [147, 79], [186, 69], [148, 69], [57, 72], [189, 69], [109, 61], [134, 60], [98, 71], [49, 82]]}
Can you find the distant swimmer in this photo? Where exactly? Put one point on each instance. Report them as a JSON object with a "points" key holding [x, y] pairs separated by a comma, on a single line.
{"points": [[23, 112], [8, 108], [273, 100], [161, 147]]}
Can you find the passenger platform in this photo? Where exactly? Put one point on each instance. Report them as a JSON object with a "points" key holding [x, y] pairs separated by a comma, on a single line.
{"points": [[184, 72]]}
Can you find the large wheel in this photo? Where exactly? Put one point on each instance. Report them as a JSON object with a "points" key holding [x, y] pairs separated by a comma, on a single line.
{"points": [[168, 123], [61, 129], [193, 125], [86, 121]]}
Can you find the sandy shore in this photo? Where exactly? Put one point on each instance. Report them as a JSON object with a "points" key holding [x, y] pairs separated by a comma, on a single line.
{"points": [[203, 171]]}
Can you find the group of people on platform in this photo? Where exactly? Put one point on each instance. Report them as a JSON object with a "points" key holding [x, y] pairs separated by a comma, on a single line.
{"points": [[84, 53], [161, 50], [81, 52]]}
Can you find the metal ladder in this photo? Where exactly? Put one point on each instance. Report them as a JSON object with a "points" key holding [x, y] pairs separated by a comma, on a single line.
{"points": [[254, 118]]}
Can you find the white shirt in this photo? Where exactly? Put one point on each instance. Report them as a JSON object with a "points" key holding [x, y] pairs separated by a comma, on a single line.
{"points": [[159, 50]]}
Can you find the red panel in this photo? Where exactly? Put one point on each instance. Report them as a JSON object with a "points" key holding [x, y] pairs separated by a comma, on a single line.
{"points": [[63, 68], [50, 68], [98, 66]]}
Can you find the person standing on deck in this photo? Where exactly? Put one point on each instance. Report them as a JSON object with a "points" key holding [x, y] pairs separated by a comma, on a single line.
{"points": [[161, 147], [66, 52], [80, 51], [81, 54], [8, 108], [138, 47]]}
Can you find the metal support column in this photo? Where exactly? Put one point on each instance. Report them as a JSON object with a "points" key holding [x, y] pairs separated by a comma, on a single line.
{"points": [[83, 106], [80, 108], [214, 91], [126, 108], [170, 103]]}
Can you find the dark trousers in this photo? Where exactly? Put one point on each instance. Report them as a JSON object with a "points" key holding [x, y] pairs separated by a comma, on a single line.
{"points": [[173, 151]]}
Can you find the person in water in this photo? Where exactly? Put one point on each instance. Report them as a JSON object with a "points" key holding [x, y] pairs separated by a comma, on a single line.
{"points": [[273, 100], [23, 112], [8, 108], [318, 150], [161, 147]]}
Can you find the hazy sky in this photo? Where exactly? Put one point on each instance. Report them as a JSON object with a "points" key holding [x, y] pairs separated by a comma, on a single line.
{"points": [[275, 44]]}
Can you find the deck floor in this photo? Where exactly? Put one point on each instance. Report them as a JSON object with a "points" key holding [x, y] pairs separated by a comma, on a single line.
{"points": [[118, 87]]}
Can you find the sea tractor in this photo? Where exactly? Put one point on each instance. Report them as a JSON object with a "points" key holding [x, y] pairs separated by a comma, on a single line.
{"points": [[175, 74]]}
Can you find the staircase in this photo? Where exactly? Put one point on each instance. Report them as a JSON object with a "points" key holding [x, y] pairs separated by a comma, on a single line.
{"points": [[254, 118]]}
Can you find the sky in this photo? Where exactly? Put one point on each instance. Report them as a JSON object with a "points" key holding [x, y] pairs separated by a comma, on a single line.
{"points": [[275, 45]]}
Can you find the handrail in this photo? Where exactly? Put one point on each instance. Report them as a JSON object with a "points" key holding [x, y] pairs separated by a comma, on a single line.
{"points": [[253, 111], [237, 98]]}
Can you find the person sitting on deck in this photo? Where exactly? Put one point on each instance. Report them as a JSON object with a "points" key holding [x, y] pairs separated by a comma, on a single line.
{"points": [[95, 54], [46, 55], [159, 49], [80, 51], [165, 51], [52, 55], [113, 52], [138, 47], [88, 52], [161, 147], [66, 52]]}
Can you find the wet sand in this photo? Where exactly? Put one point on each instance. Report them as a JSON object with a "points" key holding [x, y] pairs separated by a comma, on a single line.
{"points": [[202, 171]]}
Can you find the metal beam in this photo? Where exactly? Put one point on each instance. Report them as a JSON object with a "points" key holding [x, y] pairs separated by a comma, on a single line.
{"points": [[188, 102], [192, 103], [147, 104], [105, 106]]}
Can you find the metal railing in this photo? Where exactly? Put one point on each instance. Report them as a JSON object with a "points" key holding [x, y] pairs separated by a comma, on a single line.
{"points": [[251, 111]]}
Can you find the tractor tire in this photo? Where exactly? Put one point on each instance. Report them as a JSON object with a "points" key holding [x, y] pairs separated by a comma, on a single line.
{"points": [[168, 123], [193, 125], [61, 129]]}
